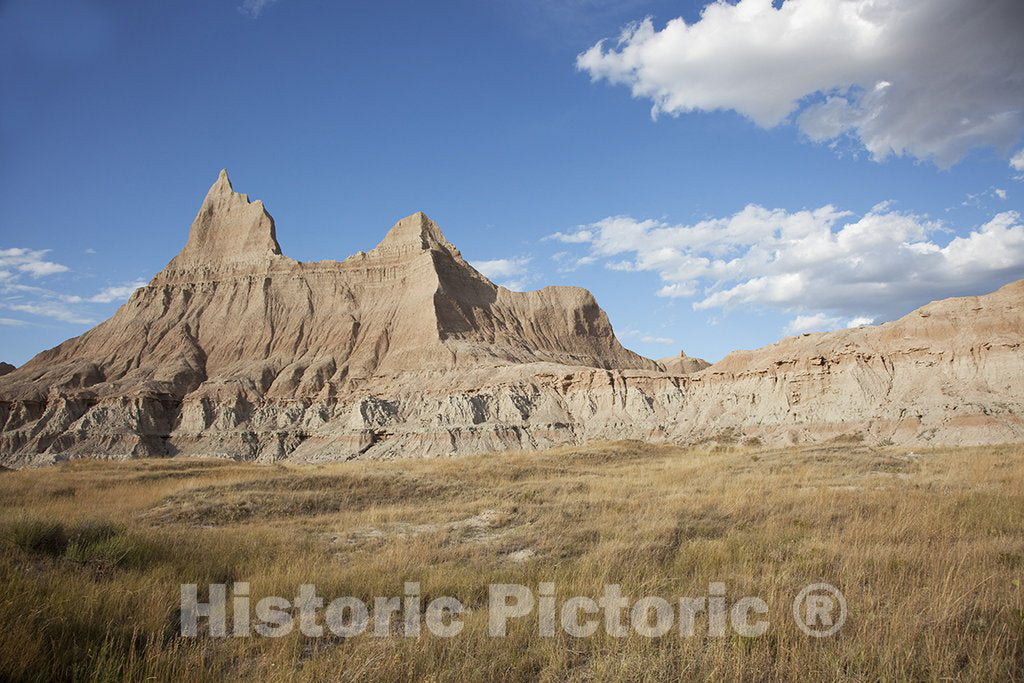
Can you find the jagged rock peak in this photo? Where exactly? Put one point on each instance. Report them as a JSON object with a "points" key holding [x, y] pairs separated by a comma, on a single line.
{"points": [[414, 233], [229, 228]]}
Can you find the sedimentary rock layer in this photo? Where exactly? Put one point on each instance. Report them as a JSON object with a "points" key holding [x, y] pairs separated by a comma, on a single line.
{"points": [[237, 350]]}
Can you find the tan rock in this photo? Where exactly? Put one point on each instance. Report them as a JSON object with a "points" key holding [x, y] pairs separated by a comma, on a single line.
{"points": [[682, 364], [406, 351]]}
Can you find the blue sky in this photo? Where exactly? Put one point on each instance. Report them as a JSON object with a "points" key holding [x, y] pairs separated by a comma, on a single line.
{"points": [[718, 177]]}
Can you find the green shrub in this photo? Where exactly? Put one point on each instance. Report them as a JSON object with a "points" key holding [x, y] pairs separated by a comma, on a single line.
{"points": [[90, 531], [36, 536], [88, 541], [116, 551]]}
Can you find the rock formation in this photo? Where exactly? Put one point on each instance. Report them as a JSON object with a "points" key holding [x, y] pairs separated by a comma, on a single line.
{"points": [[237, 350], [682, 364], [5, 368]]}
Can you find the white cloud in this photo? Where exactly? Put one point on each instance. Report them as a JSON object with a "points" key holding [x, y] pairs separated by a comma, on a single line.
{"points": [[817, 322], [29, 261], [981, 200], [502, 267], [648, 338], [822, 322], [254, 8], [1017, 161], [117, 293], [11, 322], [511, 273], [49, 309], [517, 284], [676, 290], [822, 261], [17, 295], [577, 237], [928, 78], [569, 263]]}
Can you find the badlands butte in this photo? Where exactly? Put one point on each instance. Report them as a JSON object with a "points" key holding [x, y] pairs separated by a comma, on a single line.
{"points": [[236, 350]]}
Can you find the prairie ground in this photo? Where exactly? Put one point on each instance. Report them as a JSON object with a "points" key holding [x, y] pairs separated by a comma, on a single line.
{"points": [[927, 548]]}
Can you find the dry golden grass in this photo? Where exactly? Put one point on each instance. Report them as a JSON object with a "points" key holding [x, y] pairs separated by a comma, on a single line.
{"points": [[928, 549]]}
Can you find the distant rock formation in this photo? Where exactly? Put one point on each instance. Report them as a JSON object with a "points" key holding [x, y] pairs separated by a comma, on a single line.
{"points": [[5, 368], [682, 364], [236, 350]]}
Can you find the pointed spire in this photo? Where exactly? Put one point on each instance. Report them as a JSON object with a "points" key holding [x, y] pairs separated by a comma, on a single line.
{"points": [[222, 185], [228, 228], [415, 232]]}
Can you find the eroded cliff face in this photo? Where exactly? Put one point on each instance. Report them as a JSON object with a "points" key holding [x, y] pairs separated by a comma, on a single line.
{"points": [[233, 339], [236, 350], [682, 364]]}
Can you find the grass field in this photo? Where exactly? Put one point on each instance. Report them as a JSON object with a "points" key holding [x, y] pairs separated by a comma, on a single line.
{"points": [[927, 547]]}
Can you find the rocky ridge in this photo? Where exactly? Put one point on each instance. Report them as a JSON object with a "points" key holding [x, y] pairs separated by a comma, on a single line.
{"points": [[236, 350], [682, 364]]}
